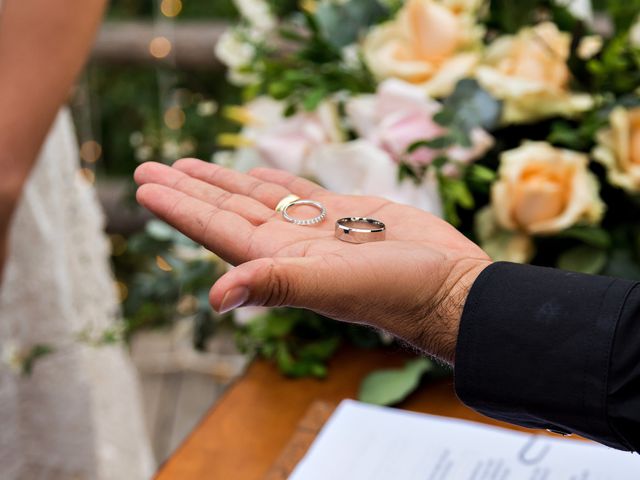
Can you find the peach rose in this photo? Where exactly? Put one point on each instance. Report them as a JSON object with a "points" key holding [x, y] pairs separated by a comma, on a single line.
{"points": [[619, 148], [431, 43], [544, 190], [529, 72]]}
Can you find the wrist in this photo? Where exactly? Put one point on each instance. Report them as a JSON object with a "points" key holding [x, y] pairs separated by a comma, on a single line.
{"points": [[442, 322]]}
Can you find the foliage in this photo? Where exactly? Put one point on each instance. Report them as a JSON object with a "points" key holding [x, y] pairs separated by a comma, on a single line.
{"points": [[299, 341], [388, 387], [168, 278]]}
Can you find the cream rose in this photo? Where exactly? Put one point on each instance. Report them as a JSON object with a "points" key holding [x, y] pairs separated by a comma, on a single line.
{"points": [[430, 43], [529, 72], [619, 148], [544, 190]]}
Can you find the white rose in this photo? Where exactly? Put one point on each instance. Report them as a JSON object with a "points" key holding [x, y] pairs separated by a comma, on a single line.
{"points": [[361, 168], [271, 139], [236, 52], [257, 13]]}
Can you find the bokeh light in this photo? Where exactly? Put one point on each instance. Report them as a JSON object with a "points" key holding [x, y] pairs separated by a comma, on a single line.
{"points": [[171, 8], [174, 118], [160, 47], [90, 151]]}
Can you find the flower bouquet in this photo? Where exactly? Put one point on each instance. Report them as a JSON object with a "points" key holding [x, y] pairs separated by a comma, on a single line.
{"points": [[518, 122]]}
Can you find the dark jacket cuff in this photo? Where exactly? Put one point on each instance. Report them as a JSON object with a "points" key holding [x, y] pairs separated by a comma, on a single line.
{"points": [[534, 348]]}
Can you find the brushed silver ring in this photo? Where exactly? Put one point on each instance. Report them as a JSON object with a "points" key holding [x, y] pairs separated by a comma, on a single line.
{"points": [[360, 230], [305, 221]]}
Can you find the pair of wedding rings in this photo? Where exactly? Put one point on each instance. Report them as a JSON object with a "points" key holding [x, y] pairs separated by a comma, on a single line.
{"points": [[348, 229]]}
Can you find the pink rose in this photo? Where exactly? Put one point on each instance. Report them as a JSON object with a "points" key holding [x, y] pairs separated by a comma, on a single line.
{"points": [[399, 115]]}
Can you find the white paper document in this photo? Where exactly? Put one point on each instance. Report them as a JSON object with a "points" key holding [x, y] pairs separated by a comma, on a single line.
{"points": [[365, 442]]}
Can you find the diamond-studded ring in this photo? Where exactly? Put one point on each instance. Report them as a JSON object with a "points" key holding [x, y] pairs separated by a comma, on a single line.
{"points": [[306, 221]]}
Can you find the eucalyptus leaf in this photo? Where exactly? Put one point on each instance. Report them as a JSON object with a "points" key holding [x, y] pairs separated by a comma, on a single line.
{"points": [[469, 107], [342, 23], [583, 259], [388, 387]]}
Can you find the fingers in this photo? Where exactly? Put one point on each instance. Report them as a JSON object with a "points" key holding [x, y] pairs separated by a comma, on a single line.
{"points": [[271, 282], [302, 187], [255, 212], [225, 233], [234, 182]]}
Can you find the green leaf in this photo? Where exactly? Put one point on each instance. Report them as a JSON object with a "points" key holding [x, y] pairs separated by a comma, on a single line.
{"points": [[313, 99], [388, 387], [434, 144], [469, 107], [583, 259], [284, 358], [592, 236], [455, 192], [36, 353], [341, 24], [481, 174], [320, 350]]}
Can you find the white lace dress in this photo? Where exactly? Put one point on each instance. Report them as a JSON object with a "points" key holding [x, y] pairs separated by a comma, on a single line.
{"points": [[78, 415]]}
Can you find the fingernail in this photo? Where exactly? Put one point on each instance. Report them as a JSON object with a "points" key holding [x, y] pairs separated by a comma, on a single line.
{"points": [[234, 298]]}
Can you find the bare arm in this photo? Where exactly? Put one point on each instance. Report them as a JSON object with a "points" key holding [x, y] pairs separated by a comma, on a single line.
{"points": [[43, 46]]}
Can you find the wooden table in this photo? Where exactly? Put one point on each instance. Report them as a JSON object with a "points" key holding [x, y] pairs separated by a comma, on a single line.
{"points": [[246, 431]]}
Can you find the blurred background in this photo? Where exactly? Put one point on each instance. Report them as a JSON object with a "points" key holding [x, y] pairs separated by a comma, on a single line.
{"points": [[152, 91]]}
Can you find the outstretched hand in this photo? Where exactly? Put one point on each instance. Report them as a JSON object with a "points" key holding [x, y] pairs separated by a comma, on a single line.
{"points": [[412, 285]]}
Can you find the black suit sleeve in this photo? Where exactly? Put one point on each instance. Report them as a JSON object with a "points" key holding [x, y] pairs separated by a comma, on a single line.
{"points": [[544, 348]]}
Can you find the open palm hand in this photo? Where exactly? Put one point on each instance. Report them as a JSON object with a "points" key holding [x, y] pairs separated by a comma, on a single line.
{"points": [[412, 285]]}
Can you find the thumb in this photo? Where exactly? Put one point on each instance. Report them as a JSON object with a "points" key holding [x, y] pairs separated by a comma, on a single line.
{"points": [[270, 282]]}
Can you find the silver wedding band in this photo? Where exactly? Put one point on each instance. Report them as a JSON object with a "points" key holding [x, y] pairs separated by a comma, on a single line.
{"points": [[360, 230], [306, 221]]}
